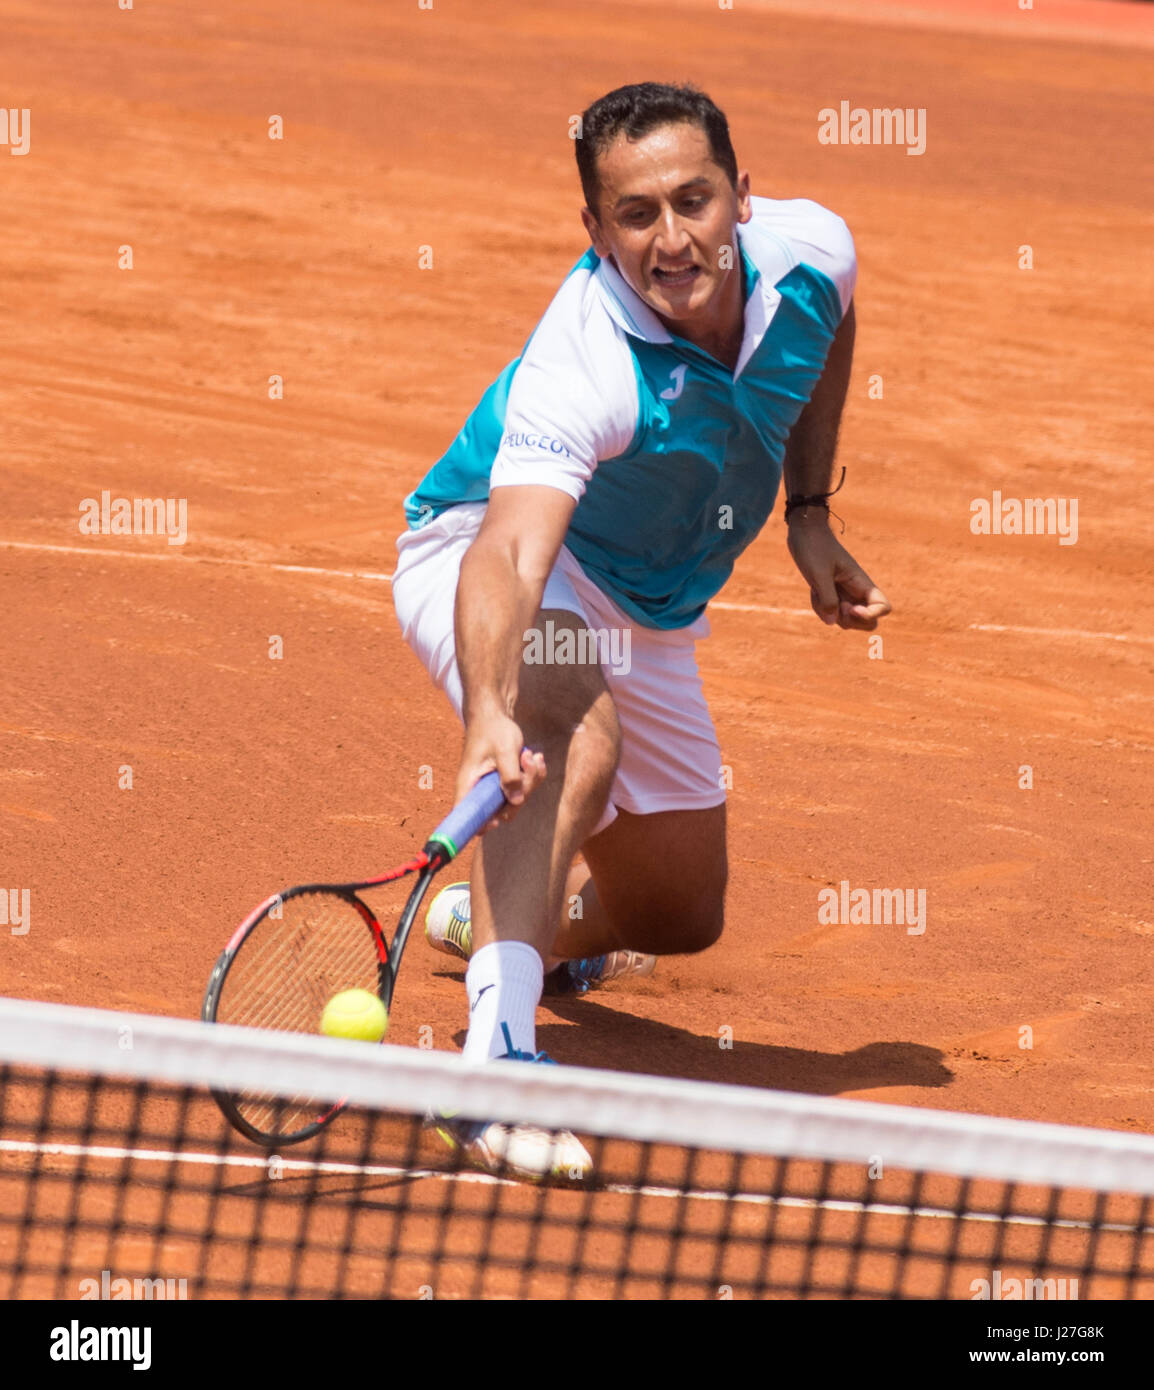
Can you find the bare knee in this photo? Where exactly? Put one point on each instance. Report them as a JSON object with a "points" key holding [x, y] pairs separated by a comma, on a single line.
{"points": [[567, 712], [595, 745], [661, 878], [581, 760], [691, 928], [703, 928], [677, 926], [570, 717]]}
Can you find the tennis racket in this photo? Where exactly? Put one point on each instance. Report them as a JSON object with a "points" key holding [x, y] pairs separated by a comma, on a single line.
{"points": [[296, 950]]}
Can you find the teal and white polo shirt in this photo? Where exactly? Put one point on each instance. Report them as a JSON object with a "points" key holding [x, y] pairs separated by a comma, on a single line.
{"points": [[674, 461]]}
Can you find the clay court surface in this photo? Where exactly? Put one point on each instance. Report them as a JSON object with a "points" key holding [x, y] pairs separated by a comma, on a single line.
{"points": [[447, 129]]}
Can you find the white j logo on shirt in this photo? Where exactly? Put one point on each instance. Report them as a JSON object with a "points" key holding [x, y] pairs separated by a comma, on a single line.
{"points": [[677, 376]]}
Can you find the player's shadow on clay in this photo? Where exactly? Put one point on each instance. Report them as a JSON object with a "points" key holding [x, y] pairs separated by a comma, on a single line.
{"points": [[624, 1042]]}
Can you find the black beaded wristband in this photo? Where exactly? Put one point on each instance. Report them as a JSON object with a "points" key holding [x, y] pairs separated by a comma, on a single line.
{"points": [[818, 499]]}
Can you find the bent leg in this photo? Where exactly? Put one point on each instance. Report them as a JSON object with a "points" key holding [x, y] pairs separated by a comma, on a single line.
{"points": [[519, 872], [652, 883]]}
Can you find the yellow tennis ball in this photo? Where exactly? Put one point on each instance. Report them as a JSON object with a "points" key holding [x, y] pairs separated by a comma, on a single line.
{"points": [[357, 1013]]}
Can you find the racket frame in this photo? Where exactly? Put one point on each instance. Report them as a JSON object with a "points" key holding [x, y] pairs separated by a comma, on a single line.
{"points": [[426, 865], [467, 818]]}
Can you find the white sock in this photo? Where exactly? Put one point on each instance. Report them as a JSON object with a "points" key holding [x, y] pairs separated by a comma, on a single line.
{"points": [[503, 983]]}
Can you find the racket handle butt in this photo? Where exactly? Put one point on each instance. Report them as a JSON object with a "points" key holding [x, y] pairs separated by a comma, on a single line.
{"points": [[479, 805]]}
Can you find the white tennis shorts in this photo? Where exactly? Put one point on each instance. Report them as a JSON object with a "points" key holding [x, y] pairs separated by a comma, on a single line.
{"points": [[670, 760]]}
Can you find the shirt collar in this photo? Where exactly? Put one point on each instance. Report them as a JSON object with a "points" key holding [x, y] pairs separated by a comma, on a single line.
{"points": [[631, 313], [626, 307]]}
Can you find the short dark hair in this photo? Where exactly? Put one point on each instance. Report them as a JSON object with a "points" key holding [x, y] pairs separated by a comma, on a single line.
{"points": [[636, 110]]}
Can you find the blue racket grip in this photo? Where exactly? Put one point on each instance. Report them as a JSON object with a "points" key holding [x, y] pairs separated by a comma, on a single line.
{"points": [[480, 804]]}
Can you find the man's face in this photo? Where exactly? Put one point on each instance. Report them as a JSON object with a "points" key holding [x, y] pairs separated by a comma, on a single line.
{"points": [[666, 212]]}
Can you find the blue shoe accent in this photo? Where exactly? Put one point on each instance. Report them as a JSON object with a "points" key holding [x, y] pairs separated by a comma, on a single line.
{"points": [[512, 1054], [575, 976]]}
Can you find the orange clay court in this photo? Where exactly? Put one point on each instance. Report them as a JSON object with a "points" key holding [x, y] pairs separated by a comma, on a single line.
{"points": [[412, 133]]}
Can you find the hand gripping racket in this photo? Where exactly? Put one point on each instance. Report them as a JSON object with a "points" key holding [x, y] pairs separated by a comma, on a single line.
{"points": [[290, 955]]}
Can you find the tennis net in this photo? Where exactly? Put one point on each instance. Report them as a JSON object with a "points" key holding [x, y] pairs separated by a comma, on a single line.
{"points": [[119, 1177]]}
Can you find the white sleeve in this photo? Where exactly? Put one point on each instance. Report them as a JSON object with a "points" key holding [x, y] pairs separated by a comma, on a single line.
{"points": [[817, 237], [573, 398]]}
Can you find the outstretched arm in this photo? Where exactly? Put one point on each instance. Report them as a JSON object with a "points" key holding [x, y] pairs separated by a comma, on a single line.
{"points": [[502, 580], [840, 590]]}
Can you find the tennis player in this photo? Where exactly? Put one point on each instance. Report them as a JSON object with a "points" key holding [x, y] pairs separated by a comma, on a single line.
{"points": [[560, 557]]}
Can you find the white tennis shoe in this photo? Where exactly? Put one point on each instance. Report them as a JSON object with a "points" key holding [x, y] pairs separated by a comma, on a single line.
{"points": [[515, 1150]]}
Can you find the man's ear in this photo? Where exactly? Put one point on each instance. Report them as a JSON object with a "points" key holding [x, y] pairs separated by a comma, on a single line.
{"points": [[600, 245], [744, 206]]}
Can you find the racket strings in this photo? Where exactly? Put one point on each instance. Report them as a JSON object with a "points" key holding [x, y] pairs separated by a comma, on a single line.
{"points": [[287, 970]]}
